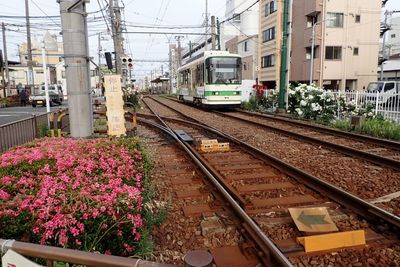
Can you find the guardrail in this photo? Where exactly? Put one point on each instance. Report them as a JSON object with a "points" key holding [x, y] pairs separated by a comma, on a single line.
{"points": [[51, 254], [25, 130]]}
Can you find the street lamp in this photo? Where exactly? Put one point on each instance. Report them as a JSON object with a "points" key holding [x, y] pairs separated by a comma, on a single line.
{"points": [[312, 48], [46, 86]]}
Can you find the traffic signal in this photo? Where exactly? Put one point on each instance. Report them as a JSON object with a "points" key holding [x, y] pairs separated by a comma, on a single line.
{"points": [[127, 62], [108, 60]]}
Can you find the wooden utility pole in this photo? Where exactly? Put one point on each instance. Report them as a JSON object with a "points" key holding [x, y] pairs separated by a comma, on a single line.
{"points": [[5, 60], [116, 23], [31, 80]]}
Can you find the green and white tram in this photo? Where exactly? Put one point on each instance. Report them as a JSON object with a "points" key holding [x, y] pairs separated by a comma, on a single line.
{"points": [[213, 79]]}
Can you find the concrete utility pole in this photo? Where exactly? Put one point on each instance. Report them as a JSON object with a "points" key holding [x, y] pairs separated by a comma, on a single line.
{"points": [[213, 33], [74, 31], [206, 43], [116, 22], [170, 68], [3, 82], [178, 38], [99, 54], [5, 59], [31, 80]]}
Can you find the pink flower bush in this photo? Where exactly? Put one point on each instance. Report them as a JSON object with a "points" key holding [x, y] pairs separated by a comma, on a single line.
{"points": [[83, 194]]}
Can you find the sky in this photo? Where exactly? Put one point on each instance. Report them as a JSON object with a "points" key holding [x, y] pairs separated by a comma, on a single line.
{"points": [[167, 13], [136, 13]]}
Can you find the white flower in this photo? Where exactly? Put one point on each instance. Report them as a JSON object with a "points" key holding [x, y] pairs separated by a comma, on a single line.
{"points": [[299, 111], [315, 107], [311, 97], [303, 103]]}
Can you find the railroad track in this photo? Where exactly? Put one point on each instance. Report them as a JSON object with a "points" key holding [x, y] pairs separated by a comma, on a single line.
{"points": [[378, 151], [264, 187], [379, 185]]}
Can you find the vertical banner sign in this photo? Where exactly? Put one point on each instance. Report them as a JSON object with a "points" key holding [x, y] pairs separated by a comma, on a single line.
{"points": [[13, 259], [115, 105]]}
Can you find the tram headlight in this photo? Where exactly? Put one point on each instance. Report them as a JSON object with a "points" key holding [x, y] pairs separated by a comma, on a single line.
{"points": [[215, 93]]}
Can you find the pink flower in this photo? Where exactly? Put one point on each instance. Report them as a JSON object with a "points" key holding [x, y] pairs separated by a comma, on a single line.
{"points": [[95, 213], [102, 209]]}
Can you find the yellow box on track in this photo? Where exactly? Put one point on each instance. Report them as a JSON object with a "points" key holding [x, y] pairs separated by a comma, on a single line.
{"points": [[332, 241], [213, 146]]}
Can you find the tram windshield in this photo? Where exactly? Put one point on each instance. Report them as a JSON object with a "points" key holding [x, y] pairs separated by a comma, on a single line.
{"points": [[224, 70]]}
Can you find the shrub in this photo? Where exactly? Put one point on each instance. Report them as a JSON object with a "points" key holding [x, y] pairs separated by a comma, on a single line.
{"points": [[81, 194]]}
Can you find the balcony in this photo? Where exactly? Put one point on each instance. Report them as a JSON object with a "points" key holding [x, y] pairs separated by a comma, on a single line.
{"points": [[308, 36], [312, 7]]}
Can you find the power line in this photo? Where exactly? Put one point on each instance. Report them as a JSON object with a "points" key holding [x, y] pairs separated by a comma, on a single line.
{"points": [[236, 15], [102, 13], [184, 33]]}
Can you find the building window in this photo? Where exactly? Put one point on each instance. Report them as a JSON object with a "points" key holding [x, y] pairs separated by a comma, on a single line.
{"points": [[355, 51], [270, 7], [268, 61], [245, 46], [311, 20], [236, 17], [266, 9], [334, 20], [244, 66], [308, 52], [333, 53], [358, 18], [269, 34]]}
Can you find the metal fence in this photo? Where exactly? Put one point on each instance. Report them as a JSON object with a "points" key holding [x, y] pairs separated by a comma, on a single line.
{"points": [[386, 105], [26, 130]]}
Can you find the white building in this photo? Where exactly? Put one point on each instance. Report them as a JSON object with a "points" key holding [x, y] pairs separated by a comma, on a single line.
{"points": [[393, 37], [239, 20]]}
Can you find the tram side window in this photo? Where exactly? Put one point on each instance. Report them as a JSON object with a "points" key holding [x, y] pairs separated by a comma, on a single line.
{"points": [[185, 77], [200, 75]]}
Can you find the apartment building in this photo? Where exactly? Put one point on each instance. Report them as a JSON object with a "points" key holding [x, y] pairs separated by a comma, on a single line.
{"points": [[346, 42], [270, 42]]}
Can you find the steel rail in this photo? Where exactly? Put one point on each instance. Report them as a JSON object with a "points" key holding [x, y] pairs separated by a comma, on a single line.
{"points": [[357, 137], [320, 128], [273, 255], [356, 204], [373, 158]]}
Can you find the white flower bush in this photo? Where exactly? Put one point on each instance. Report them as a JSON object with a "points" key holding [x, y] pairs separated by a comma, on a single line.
{"points": [[312, 102]]}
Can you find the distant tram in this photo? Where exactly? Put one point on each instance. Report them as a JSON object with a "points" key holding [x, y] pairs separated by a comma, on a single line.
{"points": [[212, 79]]}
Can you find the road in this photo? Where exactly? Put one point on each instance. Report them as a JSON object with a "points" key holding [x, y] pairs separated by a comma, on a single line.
{"points": [[12, 114]]}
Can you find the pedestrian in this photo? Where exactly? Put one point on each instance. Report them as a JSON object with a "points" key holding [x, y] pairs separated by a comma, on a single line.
{"points": [[20, 87], [23, 96]]}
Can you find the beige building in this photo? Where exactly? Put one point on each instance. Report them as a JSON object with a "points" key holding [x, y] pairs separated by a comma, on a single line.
{"points": [[346, 42], [54, 51], [270, 40]]}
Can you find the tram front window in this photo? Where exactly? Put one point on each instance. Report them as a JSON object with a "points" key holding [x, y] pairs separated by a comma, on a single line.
{"points": [[224, 70]]}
